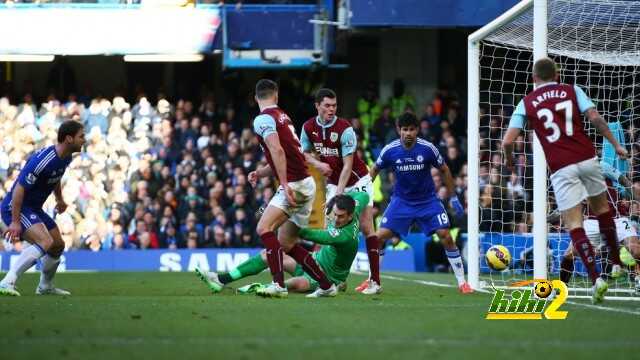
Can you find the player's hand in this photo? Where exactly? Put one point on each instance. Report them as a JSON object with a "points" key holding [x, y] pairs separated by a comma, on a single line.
{"points": [[325, 169], [622, 152], [13, 232], [291, 198], [457, 206], [61, 206], [253, 178]]}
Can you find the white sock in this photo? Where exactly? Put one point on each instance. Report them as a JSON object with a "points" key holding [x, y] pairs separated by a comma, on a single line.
{"points": [[28, 257], [49, 268], [456, 264]]}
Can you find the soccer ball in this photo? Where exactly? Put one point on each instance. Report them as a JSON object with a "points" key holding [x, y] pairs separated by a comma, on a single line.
{"points": [[543, 289], [498, 257]]}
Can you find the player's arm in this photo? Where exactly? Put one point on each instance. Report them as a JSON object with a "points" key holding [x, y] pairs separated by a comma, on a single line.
{"points": [[516, 124], [380, 164], [349, 143], [26, 180], [603, 129], [587, 107], [447, 178], [61, 206], [310, 155], [324, 237], [362, 200], [278, 156]]}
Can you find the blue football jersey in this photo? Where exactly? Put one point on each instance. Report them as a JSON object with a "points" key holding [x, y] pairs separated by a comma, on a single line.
{"points": [[39, 177], [412, 168]]}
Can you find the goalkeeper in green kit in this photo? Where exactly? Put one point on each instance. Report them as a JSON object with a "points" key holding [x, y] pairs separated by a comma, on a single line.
{"points": [[340, 241]]}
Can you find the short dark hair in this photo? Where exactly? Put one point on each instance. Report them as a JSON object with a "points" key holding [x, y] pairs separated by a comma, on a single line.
{"points": [[342, 202], [408, 119], [69, 128], [324, 93], [266, 88], [545, 69]]}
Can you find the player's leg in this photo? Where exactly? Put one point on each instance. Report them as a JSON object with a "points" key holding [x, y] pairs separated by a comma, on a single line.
{"points": [[270, 220], [596, 188], [567, 265], [252, 266], [51, 260], [455, 259], [298, 284], [396, 220], [35, 233], [570, 190], [632, 243], [372, 243], [288, 236], [573, 219]]}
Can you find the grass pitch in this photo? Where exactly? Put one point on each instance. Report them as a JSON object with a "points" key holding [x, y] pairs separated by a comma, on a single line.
{"points": [[174, 316]]}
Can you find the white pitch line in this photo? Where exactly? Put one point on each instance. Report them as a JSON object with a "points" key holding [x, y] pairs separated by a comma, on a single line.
{"points": [[433, 283]]}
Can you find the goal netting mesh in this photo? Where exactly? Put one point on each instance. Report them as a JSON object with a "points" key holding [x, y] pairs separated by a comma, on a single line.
{"points": [[597, 46]]}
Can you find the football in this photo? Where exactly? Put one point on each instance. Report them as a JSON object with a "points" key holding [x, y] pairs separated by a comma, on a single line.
{"points": [[543, 289], [498, 257]]}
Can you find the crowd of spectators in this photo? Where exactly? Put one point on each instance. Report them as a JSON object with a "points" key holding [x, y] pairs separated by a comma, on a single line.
{"points": [[174, 175]]}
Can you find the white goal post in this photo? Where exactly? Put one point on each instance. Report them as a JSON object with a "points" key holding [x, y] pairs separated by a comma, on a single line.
{"points": [[597, 45]]}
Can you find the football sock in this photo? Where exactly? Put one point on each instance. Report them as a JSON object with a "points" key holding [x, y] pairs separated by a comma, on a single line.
{"points": [[310, 266], [566, 269], [28, 257], [274, 256], [585, 250], [252, 266], [373, 250], [456, 264], [48, 271], [608, 233]]}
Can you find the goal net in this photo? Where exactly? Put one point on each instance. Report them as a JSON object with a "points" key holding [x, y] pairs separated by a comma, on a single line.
{"points": [[597, 46]]}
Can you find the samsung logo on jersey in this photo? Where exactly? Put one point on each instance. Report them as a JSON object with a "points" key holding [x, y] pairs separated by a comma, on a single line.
{"points": [[411, 167], [552, 94]]}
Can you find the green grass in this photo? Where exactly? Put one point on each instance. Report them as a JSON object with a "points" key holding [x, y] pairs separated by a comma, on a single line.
{"points": [[173, 316]]}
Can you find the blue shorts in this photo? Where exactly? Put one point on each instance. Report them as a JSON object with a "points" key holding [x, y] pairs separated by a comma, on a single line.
{"points": [[400, 215], [29, 217]]}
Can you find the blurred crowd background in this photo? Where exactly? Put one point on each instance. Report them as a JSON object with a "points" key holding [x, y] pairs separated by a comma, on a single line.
{"points": [[173, 174]]}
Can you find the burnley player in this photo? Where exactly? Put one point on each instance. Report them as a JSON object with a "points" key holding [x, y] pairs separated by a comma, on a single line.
{"points": [[22, 210], [414, 197], [290, 208], [340, 246], [554, 111], [333, 140], [626, 230]]}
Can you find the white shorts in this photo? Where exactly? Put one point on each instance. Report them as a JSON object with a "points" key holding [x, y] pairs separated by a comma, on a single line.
{"points": [[363, 185], [574, 183], [624, 229], [304, 191]]}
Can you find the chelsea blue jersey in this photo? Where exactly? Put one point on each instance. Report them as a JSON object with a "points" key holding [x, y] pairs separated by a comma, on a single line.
{"points": [[412, 168], [39, 177]]}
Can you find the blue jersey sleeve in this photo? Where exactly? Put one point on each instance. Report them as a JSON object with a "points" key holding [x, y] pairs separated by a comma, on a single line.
{"points": [[348, 141], [29, 174], [382, 162], [438, 160], [584, 103], [264, 125], [305, 142], [519, 116]]}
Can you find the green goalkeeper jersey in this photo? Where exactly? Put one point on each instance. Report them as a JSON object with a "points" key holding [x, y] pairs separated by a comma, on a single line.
{"points": [[340, 244]]}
